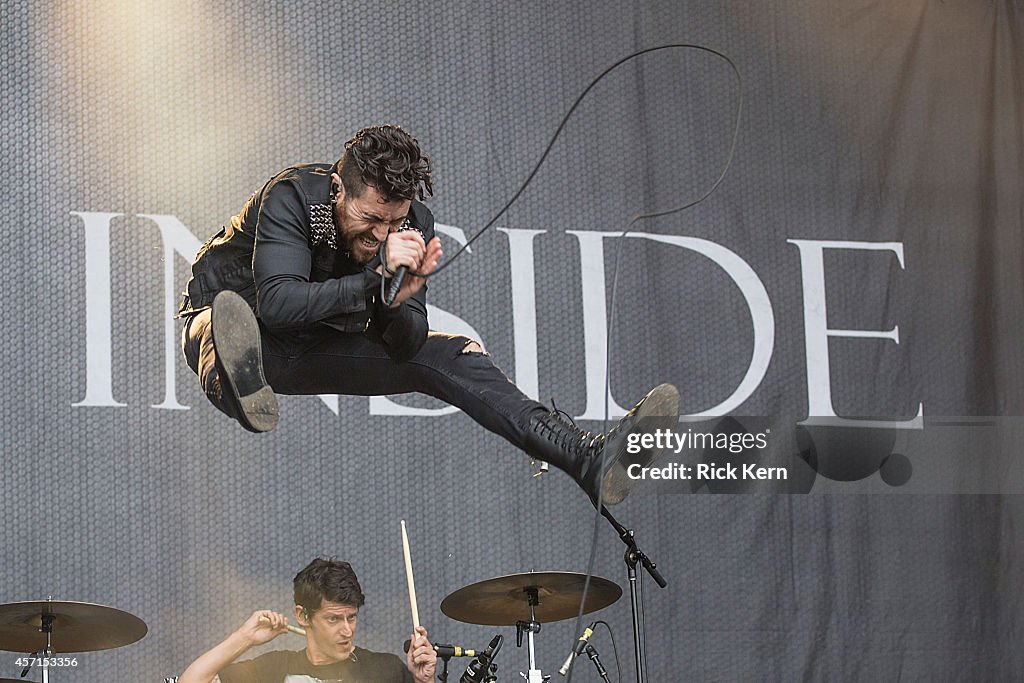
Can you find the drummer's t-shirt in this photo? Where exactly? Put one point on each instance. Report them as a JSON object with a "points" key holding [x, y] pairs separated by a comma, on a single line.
{"points": [[285, 666]]}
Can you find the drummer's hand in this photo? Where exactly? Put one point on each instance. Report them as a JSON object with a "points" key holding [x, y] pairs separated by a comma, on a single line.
{"points": [[263, 626], [421, 659]]}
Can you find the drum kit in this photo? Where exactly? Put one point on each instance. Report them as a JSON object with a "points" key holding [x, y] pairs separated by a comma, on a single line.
{"points": [[525, 601], [529, 600], [46, 630]]}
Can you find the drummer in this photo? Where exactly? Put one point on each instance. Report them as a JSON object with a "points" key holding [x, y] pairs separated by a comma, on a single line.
{"points": [[327, 602]]}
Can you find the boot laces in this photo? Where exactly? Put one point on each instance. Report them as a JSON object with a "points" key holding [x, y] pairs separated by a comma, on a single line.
{"points": [[562, 430]]}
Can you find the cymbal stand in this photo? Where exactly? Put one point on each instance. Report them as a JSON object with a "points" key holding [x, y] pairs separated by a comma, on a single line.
{"points": [[632, 556], [530, 627], [46, 626]]}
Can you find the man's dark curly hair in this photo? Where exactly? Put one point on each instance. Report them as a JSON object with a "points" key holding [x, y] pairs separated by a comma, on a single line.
{"points": [[327, 578], [388, 159]]}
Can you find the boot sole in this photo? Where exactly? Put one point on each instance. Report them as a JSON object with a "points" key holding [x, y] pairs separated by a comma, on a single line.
{"points": [[659, 409], [240, 356]]}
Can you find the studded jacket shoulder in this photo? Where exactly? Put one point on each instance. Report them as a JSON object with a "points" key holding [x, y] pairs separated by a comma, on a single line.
{"points": [[281, 254]]}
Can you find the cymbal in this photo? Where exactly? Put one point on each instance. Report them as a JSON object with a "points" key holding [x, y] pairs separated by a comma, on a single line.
{"points": [[77, 626], [505, 600]]}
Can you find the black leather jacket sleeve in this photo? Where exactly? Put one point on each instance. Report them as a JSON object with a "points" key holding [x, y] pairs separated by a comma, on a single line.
{"points": [[287, 297], [282, 261]]}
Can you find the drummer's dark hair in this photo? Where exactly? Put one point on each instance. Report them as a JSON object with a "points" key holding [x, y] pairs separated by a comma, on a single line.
{"points": [[327, 578]]}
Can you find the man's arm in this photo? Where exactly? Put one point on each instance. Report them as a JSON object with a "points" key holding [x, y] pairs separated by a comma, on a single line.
{"points": [[282, 262], [262, 627]]}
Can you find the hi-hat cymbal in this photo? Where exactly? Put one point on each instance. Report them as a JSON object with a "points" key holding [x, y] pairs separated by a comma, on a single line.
{"points": [[76, 626], [505, 600]]}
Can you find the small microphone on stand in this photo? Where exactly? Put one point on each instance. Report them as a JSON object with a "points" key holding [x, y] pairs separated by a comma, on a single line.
{"points": [[479, 668], [444, 651], [577, 649]]}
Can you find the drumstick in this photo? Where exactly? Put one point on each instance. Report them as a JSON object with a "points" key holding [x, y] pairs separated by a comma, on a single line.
{"points": [[291, 629], [409, 579]]}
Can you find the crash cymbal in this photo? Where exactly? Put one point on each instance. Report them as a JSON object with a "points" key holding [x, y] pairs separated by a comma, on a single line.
{"points": [[505, 600], [76, 626]]}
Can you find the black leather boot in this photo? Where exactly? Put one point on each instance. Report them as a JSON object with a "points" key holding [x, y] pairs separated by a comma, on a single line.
{"points": [[236, 340], [557, 440]]}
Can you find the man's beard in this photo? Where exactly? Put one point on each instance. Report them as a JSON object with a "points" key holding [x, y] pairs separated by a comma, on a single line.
{"points": [[352, 243], [361, 247]]}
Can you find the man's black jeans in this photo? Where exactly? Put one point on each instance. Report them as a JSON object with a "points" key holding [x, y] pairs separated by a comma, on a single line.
{"points": [[325, 361]]}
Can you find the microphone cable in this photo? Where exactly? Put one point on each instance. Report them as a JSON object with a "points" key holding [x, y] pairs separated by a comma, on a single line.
{"points": [[618, 254], [615, 651], [614, 290], [565, 120]]}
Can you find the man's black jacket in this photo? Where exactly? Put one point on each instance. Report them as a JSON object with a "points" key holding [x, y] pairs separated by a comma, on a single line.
{"points": [[281, 253]]}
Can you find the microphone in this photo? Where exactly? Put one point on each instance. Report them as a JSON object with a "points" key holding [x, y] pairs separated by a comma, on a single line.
{"points": [[478, 668], [396, 284], [577, 649], [444, 651], [396, 279]]}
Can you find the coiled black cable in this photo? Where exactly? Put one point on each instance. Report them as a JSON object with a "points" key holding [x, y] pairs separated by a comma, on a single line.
{"points": [[618, 254], [565, 120], [618, 259]]}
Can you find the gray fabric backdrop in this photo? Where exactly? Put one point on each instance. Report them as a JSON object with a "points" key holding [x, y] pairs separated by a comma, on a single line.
{"points": [[896, 124]]}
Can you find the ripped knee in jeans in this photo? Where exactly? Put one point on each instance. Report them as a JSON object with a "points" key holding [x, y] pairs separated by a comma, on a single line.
{"points": [[472, 346]]}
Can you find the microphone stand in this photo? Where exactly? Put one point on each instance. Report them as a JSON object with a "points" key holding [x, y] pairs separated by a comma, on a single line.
{"points": [[591, 652], [632, 556], [443, 676]]}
